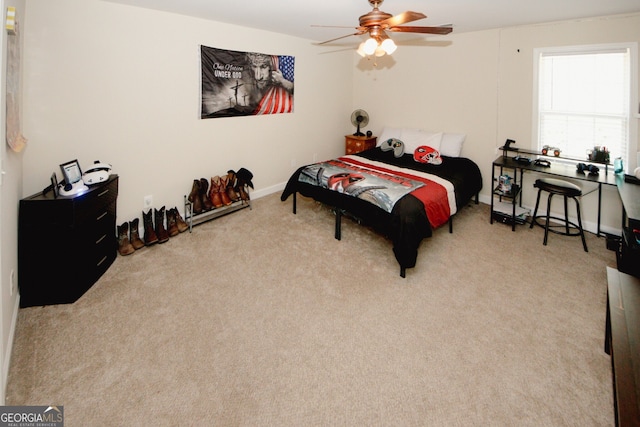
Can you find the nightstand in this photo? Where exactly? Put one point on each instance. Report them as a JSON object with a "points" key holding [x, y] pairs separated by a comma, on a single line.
{"points": [[356, 144]]}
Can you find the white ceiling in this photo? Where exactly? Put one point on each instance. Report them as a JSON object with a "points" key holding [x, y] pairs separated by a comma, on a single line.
{"points": [[296, 17]]}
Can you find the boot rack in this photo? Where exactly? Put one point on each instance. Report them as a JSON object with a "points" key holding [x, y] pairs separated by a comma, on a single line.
{"points": [[195, 219]]}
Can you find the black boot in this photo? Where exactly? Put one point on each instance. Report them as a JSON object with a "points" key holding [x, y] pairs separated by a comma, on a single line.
{"points": [[161, 232], [150, 236]]}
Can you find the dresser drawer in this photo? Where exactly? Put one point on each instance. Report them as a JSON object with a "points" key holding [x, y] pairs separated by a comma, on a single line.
{"points": [[92, 206]]}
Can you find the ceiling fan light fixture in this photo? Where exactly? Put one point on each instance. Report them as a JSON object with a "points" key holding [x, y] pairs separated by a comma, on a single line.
{"points": [[361, 51], [388, 46], [370, 46]]}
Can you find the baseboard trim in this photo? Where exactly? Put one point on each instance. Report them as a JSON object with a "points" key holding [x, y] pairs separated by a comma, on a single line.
{"points": [[9, 350], [267, 191]]}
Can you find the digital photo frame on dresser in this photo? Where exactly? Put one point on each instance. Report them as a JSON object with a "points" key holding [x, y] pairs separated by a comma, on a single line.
{"points": [[71, 172]]}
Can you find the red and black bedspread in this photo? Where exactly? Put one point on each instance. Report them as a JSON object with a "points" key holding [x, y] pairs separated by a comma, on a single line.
{"points": [[398, 197]]}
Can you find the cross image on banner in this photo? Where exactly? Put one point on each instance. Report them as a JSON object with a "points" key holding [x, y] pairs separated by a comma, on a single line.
{"points": [[245, 83]]}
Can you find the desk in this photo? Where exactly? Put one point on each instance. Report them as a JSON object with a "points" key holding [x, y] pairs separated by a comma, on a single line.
{"points": [[629, 254], [622, 342], [559, 169]]}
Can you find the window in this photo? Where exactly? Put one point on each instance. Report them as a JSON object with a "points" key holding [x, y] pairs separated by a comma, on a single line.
{"points": [[583, 99]]}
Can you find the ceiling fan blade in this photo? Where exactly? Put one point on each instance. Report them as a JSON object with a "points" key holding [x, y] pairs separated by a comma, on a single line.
{"points": [[332, 26], [342, 37], [403, 18], [425, 30]]}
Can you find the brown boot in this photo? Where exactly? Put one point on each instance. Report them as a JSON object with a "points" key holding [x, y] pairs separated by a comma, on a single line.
{"points": [[223, 191], [240, 188], [214, 192], [204, 194], [124, 246], [134, 234], [194, 197], [231, 183], [150, 236], [182, 225], [172, 226], [161, 232]]}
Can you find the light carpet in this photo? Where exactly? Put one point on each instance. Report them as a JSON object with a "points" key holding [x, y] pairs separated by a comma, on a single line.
{"points": [[262, 318]]}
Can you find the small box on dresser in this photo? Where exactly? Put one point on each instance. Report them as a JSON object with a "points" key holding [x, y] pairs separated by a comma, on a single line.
{"points": [[355, 144], [65, 244]]}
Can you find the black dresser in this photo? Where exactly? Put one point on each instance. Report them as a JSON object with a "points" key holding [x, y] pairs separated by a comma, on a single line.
{"points": [[65, 244]]}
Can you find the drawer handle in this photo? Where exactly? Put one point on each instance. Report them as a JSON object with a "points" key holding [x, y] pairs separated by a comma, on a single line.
{"points": [[104, 258], [103, 193], [101, 216], [101, 239]]}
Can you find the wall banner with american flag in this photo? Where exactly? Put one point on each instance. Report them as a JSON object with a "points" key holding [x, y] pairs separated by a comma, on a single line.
{"points": [[245, 83]]}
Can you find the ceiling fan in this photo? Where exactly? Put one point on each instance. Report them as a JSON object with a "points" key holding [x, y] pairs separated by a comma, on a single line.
{"points": [[377, 23]]}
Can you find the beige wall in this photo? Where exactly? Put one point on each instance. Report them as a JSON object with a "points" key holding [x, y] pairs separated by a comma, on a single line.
{"points": [[481, 84], [10, 194], [121, 84]]}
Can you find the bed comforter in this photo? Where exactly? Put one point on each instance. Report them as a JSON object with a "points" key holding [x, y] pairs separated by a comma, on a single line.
{"points": [[407, 223]]}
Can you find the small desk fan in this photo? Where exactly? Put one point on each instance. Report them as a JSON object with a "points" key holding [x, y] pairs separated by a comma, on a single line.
{"points": [[359, 118]]}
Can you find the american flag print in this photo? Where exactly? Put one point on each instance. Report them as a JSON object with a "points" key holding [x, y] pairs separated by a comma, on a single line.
{"points": [[278, 99], [237, 83]]}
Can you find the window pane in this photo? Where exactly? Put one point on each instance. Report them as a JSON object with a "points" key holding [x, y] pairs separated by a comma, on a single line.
{"points": [[583, 101]]}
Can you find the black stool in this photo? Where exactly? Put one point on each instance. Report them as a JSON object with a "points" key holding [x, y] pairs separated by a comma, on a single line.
{"points": [[567, 190]]}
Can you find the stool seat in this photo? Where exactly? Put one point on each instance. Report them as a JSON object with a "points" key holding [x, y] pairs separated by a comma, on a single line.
{"points": [[567, 190], [558, 186]]}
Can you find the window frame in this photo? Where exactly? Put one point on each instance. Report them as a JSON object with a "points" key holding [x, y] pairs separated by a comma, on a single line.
{"points": [[631, 157]]}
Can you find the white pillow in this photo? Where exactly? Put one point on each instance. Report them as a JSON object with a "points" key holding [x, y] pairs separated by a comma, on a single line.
{"points": [[388, 133], [414, 138], [451, 144]]}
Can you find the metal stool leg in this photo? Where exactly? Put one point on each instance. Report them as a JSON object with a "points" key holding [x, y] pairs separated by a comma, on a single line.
{"points": [[566, 215], [584, 242], [535, 211], [546, 225]]}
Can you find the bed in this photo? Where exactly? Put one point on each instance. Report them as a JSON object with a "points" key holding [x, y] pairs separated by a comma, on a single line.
{"points": [[393, 189]]}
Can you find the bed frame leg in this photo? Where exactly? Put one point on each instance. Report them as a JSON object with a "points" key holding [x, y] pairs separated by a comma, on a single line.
{"points": [[338, 234], [294, 202], [451, 224], [477, 197], [403, 272]]}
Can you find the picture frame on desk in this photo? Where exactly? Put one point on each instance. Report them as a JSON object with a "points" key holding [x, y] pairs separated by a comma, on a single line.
{"points": [[71, 171]]}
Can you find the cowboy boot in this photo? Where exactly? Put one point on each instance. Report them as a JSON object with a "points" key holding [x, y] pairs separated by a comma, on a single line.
{"points": [[161, 232], [204, 194], [195, 198], [223, 191], [241, 189], [231, 183], [172, 226], [244, 178], [124, 246], [150, 236], [182, 225], [134, 236], [214, 192]]}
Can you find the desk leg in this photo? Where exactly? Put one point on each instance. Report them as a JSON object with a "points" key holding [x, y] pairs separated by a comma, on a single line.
{"points": [[599, 205], [493, 183], [521, 187]]}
